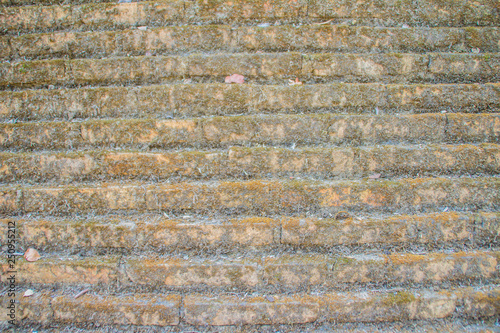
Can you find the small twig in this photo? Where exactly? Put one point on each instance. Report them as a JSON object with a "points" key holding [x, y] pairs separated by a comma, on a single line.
{"points": [[326, 22], [81, 293]]}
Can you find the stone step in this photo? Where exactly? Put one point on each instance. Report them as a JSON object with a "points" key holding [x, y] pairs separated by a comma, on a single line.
{"points": [[12, 3], [249, 163], [159, 234], [257, 197], [193, 100], [100, 16], [224, 38], [278, 130], [170, 309], [271, 273], [257, 68]]}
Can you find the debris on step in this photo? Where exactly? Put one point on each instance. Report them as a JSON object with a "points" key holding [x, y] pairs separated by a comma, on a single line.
{"points": [[28, 293], [31, 255], [342, 215], [81, 293], [235, 78]]}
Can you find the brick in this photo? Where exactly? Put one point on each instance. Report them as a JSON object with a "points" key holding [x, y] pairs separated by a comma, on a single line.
{"points": [[386, 307], [438, 227], [464, 67], [472, 128], [49, 234], [480, 303], [81, 199], [174, 272], [226, 310], [171, 234], [304, 271], [434, 13], [368, 67], [139, 309], [10, 200], [71, 271], [145, 232], [34, 309]]}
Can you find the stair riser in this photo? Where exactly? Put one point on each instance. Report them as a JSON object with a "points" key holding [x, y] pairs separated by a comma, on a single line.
{"points": [[164, 235], [176, 40], [258, 163], [282, 274], [113, 15], [227, 131], [196, 309], [272, 68], [186, 100], [260, 197]]}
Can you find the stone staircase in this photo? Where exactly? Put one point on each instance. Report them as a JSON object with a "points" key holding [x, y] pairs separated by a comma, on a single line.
{"points": [[162, 199]]}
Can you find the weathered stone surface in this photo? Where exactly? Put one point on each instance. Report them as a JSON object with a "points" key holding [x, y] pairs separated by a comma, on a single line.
{"points": [[225, 131], [430, 228], [327, 163], [176, 272], [79, 199], [57, 271], [269, 197], [226, 310], [170, 234], [187, 100], [112, 15], [383, 307], [480, 304], [84, 233], [10, 200], [177, 39], [272, 67], [35, 309], [139, 309], [299, 272]]}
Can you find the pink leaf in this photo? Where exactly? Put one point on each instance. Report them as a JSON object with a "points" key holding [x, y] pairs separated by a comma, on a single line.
{"points": [[235, 78], [31, 255]]}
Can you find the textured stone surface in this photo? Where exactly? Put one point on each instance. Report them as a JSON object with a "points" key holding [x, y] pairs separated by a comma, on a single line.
{"points": [[219, 99], [177, 39], [139, 309]]}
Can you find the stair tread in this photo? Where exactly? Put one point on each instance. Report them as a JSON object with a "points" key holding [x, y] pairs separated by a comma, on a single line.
{"points": [[248, 163], [258, 67], [281, 273], [123, 15], [365, 198], [258, 309], [326, 130], [217, 38], [202, 99], [191, 232], [258, 197]]}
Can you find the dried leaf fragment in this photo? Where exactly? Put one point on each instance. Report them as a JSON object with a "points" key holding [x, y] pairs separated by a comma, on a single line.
{"points": [[28, 293], [31, 255], [292, 82], [81, 293], [235, 78]]}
